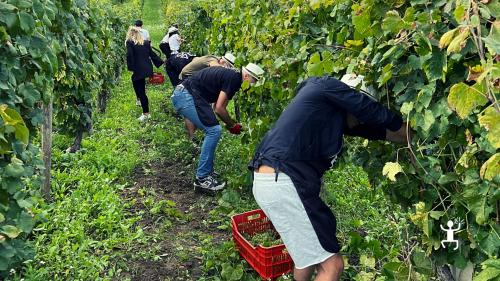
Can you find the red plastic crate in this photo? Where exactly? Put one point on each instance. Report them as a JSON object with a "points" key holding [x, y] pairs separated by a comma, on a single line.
{"points": [[269, 262]]}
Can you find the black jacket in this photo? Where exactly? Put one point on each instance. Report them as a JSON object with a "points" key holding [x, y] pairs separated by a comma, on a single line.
{"points": [[139, 59], [310, 129], [307, 138]]}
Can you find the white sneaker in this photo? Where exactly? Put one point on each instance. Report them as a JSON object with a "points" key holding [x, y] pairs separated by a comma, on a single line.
{"points": [[138, 102], [143, 117]]}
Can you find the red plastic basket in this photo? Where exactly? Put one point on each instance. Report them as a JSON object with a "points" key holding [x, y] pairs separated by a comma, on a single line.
{"points": [[156, 79], [269, 262]]}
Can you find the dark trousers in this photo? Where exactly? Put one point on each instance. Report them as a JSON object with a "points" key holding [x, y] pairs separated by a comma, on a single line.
{"points": [[140, 92]]}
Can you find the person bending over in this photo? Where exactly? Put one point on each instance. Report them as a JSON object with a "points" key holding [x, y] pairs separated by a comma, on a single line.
{"points": [[198, 64], [294, 155], [193, 98]]}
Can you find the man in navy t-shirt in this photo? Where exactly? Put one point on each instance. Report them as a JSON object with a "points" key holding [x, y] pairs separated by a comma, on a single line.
{"points": [[293, 156], [193, 98]]}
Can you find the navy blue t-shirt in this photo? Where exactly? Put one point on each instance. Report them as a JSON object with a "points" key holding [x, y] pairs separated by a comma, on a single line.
{"points": [[205, 86], [209, 82]]}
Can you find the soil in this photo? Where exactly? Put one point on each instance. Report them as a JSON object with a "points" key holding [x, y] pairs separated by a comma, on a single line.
{"points": [[175, 237]]}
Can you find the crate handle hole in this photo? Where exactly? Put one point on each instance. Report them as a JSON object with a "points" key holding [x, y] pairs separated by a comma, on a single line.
{"points": [[253, 217]]}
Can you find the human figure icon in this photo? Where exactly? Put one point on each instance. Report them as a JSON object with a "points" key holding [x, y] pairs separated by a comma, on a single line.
{"points": [[450, 233]]}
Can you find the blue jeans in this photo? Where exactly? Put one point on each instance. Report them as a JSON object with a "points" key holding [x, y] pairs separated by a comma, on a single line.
{"points": [[184, 105]]}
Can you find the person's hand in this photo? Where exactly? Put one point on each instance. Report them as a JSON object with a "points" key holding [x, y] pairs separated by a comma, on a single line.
{"points": [[403, 135], [236, 129]]}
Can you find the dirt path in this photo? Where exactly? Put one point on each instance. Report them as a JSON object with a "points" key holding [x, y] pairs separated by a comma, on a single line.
{"points": [[175, 218]]}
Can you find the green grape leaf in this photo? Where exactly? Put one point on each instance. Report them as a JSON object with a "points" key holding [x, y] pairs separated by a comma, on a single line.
{"points": [[490, 120], [392, 22], [13, 118], [436, 67], [492, 42], [7, 7], [367, 261], [467, 160], [11, 231], [427, 120], [491, 168], [14, 169], [27, 22], [446, 38], [458, 43], [490, 270], [488, 274], [26, 222], [494, 8], [422, 262], [406, 108], [478, 204], [490, 244], [464, 99], [386, 75]]}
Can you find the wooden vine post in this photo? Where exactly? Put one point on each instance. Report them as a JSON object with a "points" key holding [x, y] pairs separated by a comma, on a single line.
{"points": [[47, 149]]}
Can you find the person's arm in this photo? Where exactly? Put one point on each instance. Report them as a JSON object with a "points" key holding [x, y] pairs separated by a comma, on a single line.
{"points": [[360, 106], [130, 57], [374, 132], [157, 61], [221, 109]]}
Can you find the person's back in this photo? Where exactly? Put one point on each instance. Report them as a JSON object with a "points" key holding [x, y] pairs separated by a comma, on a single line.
{"points": [[197, 64], [140, 59], [175, 64], [142, 65], [209, 82], [312, 125]]}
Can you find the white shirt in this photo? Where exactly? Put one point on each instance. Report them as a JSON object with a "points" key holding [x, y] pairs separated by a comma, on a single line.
{"points": [[145, 34], [165, 39], [174, 42]]}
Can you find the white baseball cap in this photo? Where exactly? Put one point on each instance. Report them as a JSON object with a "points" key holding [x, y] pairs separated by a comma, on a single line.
{"points": [[172, 29], [254, 70], [230, 58], [353, 80]]}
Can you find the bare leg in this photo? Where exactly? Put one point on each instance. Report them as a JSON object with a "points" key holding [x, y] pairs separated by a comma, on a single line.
{"points": [[303, 274], [190, 128], [330, 269]]}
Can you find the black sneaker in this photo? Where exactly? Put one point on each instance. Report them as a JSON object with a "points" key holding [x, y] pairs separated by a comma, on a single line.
{"points": [[208, 184]]}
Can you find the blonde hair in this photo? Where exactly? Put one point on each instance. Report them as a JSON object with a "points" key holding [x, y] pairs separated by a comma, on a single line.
{"points": [[134, 34]]}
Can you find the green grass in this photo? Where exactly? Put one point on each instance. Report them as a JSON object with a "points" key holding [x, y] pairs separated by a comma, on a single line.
{"points": [[153, 19], [88, 219]]}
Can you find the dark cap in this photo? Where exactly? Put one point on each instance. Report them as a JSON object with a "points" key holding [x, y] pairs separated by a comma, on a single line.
{"points": [[138, 23]]}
